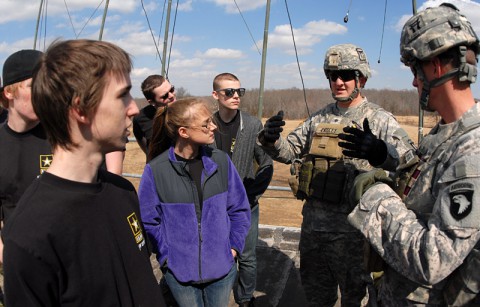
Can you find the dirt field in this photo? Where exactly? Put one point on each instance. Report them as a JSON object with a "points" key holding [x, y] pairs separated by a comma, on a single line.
{"points": [[276, 207]]}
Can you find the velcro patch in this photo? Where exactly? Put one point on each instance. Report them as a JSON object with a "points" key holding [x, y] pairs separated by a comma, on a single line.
{"points": [[461, 195]]}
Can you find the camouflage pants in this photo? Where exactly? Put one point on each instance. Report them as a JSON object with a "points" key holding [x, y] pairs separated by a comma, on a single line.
{"points": [[329, 261]]}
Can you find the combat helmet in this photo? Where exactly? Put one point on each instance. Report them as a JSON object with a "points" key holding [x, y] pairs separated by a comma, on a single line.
{"points": [[347, 57], [432, 32]]}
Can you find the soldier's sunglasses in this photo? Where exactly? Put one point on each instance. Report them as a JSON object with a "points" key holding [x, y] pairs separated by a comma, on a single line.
{"points": [[172, 89], [345, 75], [229, 92]]}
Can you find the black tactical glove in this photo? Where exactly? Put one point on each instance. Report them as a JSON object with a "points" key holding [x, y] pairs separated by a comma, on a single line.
{"points": [[273, 128], [363, 144]]}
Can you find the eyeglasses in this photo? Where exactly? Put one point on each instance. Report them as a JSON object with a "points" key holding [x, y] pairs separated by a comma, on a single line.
{"points": [[172, 89], [209, 123], [229, 92], [345, 75]]}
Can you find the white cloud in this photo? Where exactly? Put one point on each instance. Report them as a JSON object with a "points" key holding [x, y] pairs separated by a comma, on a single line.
{"points": [[305, 37], [142, 72], [28, 10], [399, 25], [187, 63], [11, 47], [16, 12], [185, 6], [135, 43], [469, 8], [244, 5], [217, 53], [150, 6]]}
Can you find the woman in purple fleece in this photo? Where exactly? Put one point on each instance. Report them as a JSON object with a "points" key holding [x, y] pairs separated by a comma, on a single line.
{"points": [[193, 205]]}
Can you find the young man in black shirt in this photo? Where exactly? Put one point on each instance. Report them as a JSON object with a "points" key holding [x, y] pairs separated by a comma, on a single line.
{"points": [[159, 92], [75, 237], [24, 150], [236, 135]]}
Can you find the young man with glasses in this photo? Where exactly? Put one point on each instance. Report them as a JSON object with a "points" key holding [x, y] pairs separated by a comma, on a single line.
{"points": [[236, 135], [159, 92], [331, 250], [429, 235]]}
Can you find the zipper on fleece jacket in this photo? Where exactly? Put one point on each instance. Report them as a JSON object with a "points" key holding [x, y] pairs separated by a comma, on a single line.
{"points": [[199, 224], [200, 239]]}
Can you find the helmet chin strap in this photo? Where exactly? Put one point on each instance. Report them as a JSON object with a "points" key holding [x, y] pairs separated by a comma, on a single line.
{"points": [[427, 85], [466, 72], [354, 93]]}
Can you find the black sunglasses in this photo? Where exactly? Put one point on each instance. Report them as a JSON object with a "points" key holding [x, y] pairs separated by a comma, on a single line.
{"points": [[172, 89], [229, 92], [345, 75]]}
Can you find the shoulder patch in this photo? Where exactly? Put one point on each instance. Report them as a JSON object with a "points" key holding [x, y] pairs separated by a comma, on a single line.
{"points": [[461, 196]]}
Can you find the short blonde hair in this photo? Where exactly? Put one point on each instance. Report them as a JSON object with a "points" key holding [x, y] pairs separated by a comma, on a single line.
{"points": [[12, 88]]}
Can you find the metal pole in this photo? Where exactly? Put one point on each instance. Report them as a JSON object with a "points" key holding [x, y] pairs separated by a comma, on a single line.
{"points": [[38, 22], [165, 38], [103, 20], [264, 60], [420, 110]]}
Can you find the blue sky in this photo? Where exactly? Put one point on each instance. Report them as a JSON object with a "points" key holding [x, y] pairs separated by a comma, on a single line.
{"points": [[211, 37]]}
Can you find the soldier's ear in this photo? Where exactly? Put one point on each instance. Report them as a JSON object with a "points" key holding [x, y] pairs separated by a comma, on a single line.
{"points": [[362, 81]]}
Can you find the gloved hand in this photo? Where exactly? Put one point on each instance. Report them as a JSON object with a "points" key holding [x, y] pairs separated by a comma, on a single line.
{"points": [[363, 144], [273, 128], [365, 181]]}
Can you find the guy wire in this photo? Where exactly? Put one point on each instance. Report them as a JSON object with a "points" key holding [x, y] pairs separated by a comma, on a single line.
{"points": [[383, 31], [151, 32], [298, 63]]}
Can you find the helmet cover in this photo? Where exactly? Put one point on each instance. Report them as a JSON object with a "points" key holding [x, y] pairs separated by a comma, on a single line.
{"points": [[433, 31], [346, 57]]}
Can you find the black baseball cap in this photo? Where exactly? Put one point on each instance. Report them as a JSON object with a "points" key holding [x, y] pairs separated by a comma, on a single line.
{"points": [[19, 66]]}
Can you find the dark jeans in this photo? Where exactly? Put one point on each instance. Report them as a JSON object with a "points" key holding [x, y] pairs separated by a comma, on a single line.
{"points": [[247, 262], [211, 294]]}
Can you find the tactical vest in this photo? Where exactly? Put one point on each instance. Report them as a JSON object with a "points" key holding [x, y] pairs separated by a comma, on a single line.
{"points": [[322, 174]]}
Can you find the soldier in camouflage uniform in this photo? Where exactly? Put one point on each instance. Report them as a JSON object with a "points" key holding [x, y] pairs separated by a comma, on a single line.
{"points": [[428, 231], [330, 248]]}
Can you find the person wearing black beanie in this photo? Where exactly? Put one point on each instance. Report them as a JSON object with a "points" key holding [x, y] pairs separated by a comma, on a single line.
{"points": [[24, 150]]}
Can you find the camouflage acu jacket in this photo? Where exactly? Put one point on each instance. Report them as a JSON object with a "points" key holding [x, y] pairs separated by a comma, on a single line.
{"points": [[424, 238], [321, 216]]}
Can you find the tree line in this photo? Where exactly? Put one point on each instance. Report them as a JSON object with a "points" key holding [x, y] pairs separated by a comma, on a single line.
{"points": [[298, 104]]}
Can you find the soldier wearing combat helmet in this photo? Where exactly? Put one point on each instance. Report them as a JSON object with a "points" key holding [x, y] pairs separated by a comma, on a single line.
{"points": [[347, 59], [330, 248], [428, 232]]}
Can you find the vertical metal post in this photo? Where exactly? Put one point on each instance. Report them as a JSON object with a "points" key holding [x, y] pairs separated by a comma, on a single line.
{"points": [[38, 22], [420, 110], [165, 38], [264, 60], [100, 36]]}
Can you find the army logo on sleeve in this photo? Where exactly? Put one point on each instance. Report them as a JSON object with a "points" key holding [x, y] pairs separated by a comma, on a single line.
{"points": [[461, 195], [45, 162], [136, 229]]}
